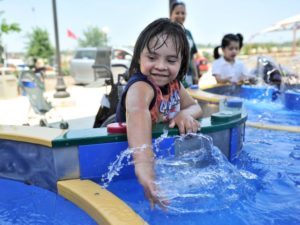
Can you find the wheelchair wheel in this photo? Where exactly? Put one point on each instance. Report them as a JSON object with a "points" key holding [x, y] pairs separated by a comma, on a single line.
{"points": [[43, 123], [109, 120], [64, 125]]}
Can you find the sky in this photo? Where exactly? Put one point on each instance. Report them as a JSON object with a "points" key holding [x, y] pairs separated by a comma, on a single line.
{"points": [[208, 20]]}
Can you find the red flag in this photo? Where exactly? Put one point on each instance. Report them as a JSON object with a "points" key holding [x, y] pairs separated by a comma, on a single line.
{"points": [[70, 34]]}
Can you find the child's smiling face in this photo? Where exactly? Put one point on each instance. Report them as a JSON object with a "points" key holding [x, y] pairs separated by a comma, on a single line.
{"points": [[161, 63]]}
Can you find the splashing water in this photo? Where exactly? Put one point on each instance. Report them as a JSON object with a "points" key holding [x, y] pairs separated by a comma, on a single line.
{"points": [[123, 159], [199, 178]]}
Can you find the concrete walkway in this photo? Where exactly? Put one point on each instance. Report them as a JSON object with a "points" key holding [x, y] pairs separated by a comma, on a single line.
{"points": [[79, 110], [84, 102]]}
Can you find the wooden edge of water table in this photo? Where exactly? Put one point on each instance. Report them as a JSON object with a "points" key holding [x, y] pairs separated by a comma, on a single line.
{"points": [[204, 87], [103, 206], [36, 135], [202, 95], [277, 127]]}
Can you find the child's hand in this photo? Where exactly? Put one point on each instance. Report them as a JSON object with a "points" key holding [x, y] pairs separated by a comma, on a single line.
{"points": [[228, 79], [145, 174], [185, 123], [253, 80]]}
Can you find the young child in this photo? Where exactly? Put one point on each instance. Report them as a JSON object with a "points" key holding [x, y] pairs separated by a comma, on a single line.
{"points": [[155, 94], [227, 68]]}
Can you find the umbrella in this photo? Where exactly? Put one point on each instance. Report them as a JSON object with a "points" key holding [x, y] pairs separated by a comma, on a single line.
{"points": [[291, 23]]}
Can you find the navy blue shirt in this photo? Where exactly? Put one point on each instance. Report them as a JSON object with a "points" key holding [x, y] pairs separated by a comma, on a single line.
{"points": [[121, 108]]}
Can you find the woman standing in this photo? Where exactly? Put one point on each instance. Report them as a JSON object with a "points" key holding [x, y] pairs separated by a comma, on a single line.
{"points": [[178, 14]]}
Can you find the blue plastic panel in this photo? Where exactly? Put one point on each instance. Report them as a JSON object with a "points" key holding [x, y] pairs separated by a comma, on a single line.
{"points": [[292, 100], [234, 103], [233, 144], [95, 159], [257, 92]]}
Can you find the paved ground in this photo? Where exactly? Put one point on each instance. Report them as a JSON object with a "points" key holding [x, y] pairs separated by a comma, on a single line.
{"points": [[82, 103], [79, 109]]}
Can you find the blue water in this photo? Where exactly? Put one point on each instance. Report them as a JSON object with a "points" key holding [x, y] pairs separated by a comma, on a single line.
{"points": [[22, 204], [271, 112], [270, 161], [262, 186]]}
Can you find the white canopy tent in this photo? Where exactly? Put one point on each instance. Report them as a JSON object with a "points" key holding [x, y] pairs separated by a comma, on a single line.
{"points": [[291, 23]]}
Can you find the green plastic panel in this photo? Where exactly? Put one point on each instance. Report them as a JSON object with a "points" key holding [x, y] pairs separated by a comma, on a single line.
{"points": [[225, 116], [100, 135]]}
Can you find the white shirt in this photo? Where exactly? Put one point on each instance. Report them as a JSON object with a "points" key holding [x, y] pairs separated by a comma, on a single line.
{"points": [[236, 70]]}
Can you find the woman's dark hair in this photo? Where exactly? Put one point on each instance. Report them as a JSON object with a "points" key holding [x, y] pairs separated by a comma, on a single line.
{"points": [[226, 41], [166, 29], [173, 6]]}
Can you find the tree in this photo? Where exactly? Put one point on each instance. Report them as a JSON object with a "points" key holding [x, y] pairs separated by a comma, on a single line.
{"points": [[39, 45], [93, 37], [5, 29]]}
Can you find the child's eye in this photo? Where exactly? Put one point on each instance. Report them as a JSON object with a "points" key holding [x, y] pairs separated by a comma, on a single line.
{"points": [[151, 57], [172, 61]]}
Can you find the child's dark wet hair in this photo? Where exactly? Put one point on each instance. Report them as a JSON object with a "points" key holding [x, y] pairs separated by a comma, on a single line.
{"points": [[226, 42], [167, 29]]}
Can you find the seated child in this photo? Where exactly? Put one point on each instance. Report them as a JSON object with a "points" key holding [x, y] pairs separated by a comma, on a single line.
{"points": [[227, 68]]}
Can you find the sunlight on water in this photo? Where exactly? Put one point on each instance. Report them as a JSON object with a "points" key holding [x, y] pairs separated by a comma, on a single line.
{"points": [[114, 168], [273, 112], [124, 159], [199, 178]]}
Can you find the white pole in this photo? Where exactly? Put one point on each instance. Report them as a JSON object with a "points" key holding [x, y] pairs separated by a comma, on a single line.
{"points": [[294, 48]]}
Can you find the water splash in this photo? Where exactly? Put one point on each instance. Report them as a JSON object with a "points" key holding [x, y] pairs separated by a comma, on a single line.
{"points": [[160, 139], [123, 159], [199, 178]]}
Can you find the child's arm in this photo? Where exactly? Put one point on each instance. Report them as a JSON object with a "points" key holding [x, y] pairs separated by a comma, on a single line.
{"points": [[218, 71], [190, 111], [247, 76], [221, 80], [139, 134]]}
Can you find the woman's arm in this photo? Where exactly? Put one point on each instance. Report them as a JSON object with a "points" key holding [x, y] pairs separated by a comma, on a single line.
{"points": [[139, 134], [190, 111], [194, 50], [195, 71]]}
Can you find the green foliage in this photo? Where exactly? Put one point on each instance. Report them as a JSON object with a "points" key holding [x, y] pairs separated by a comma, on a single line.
{"points": [[7, 28], [267, 46], [39, 45], [208, 56], [209, 45], [93, 37]]}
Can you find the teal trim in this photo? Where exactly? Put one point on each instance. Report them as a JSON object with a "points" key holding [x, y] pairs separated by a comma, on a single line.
{"points": [[225, 116], [100, 135]]}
